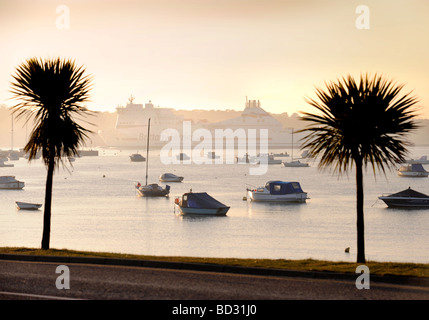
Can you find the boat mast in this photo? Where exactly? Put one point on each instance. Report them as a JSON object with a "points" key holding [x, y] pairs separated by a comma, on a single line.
{"points": [[11, 136], [292, 146], [147, 147]]}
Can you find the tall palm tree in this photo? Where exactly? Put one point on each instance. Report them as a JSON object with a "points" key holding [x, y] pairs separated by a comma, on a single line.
{"points": [[51, 93], [359, 123]]}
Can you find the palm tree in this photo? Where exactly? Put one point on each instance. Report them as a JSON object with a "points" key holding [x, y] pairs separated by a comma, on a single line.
{"points": [[360, 123], [51, 93]]}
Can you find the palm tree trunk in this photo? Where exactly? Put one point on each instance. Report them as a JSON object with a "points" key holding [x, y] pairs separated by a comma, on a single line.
{"points": [[48, 200], [359, 208]]}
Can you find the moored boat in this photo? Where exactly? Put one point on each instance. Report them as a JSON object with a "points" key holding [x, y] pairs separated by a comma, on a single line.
{"points": [[200, 203], [412, 170], [27, 205], [278, 191], [268, 159], [170, 177], [295, 163], [152, 190], [9, 182], [137, 157], [3, 164], [407, 198]]}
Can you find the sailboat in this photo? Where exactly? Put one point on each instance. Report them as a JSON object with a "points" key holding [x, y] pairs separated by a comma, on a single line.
{"points": [[294, 163], [13, 155], [151, 190]]}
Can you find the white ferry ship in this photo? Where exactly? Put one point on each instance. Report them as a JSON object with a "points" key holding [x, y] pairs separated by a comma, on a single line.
{"points": [[131, 126]]}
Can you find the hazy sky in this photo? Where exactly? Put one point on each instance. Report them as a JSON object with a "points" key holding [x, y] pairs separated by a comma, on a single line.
{"points": [[211, 54]]}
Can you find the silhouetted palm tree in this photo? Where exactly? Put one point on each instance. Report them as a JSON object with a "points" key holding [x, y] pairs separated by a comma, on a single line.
{"points": [[360, 123], [51, 93]]}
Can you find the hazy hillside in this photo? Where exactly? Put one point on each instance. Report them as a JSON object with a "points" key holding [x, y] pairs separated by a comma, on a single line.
{"points": [[107, 120]]}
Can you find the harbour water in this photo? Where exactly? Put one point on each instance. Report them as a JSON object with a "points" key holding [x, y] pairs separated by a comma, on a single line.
{"points": [[95, 208]]}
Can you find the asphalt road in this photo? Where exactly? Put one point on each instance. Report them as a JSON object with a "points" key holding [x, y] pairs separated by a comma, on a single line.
{"points": [[38, 280]]}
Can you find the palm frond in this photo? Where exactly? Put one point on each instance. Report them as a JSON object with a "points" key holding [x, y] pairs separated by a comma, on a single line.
{"points": [[52, 93], [367, 119]]}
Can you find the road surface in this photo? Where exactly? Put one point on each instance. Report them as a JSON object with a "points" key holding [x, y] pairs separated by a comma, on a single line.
{"points": [[38, 280]]}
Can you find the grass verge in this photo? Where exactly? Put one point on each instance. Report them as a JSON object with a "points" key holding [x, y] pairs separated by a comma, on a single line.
{"points": [[376, 268]]}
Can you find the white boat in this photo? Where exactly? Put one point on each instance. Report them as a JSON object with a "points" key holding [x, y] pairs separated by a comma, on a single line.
{"points": [[13, 156], [268, 158], [27, 206], [200, 203], [9, 182], [412, 170], [170, 177], [278, 191], [151, 190], [407, 198], [3, 164], [294, 163], [281, 154], [421, 160], [137, 157]]}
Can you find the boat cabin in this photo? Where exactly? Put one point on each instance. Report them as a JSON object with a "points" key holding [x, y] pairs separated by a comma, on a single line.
{"points": [[199, 200], [283, 187]]}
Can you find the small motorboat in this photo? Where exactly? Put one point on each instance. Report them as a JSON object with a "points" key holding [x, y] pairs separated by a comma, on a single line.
{"points": [[278, 191], [9, 182], [137, 157], [412, 170], [27, 206], [281, 154], [295, 163], [170, 177], [152, 190], [4, 164], [407, 198], [268, 159], [200, 203]]}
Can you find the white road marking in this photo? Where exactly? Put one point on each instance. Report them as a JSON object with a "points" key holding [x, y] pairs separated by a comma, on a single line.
{"points": [[29, 295]]}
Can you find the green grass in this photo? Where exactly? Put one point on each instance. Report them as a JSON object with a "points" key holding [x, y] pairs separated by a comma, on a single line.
{"points": [[376, 268]]}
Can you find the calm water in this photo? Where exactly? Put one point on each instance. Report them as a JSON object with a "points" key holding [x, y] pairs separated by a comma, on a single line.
{"points": [[95, 208]]}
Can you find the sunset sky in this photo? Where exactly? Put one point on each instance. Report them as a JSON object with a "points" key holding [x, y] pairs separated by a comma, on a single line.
{"points": [[211, 54]]}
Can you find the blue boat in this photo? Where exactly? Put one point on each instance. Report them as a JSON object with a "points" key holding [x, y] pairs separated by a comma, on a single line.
{"points": [[278, 191]]}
